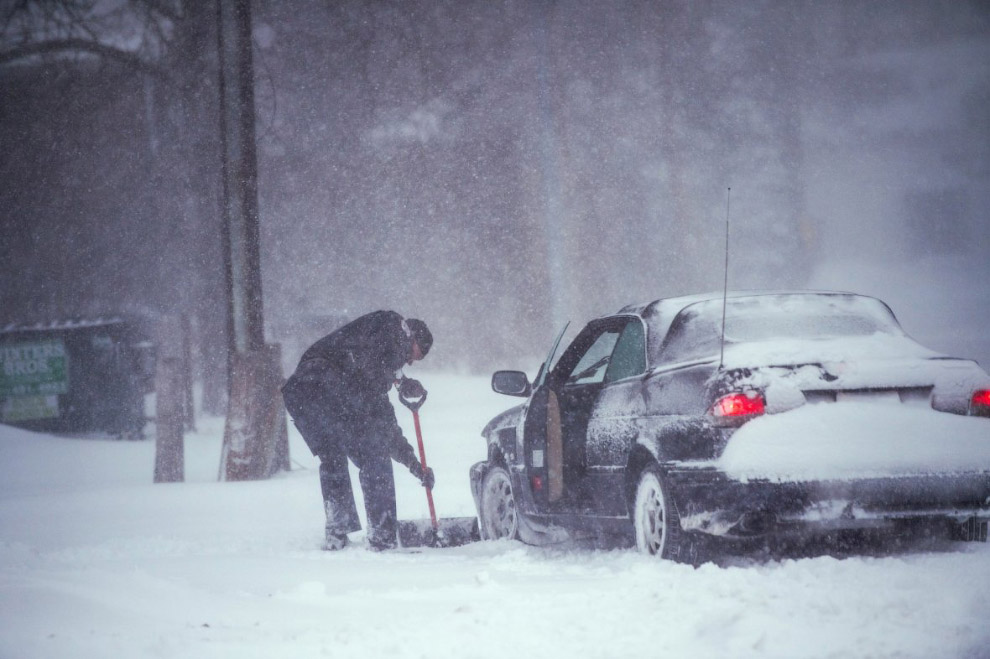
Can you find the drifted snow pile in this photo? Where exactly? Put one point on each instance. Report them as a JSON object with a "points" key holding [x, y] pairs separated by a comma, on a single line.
{"points": [[96, 561]]}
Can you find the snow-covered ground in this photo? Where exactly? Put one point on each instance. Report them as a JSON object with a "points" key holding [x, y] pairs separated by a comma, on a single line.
{"points": [[96, 561]]}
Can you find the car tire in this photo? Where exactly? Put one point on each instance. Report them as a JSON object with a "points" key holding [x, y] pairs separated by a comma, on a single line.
{"points": [[657, 524], [498, 515]]}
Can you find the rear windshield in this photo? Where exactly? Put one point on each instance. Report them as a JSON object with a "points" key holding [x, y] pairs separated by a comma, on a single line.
{"points": [[696, 331]]}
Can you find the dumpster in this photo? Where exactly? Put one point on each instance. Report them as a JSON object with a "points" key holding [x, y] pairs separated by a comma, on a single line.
{"points": [[76, 377]]}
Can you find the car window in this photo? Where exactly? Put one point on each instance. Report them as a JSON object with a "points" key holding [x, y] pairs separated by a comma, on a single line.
{"points": [[552, 358], [592, 366], [629, 356], [696, 332]]}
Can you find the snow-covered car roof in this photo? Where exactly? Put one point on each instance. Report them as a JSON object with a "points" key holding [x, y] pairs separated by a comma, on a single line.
{"points": [[863, 315]]}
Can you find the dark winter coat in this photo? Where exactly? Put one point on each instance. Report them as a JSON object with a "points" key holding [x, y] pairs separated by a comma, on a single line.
{"points": [[342, 384]]}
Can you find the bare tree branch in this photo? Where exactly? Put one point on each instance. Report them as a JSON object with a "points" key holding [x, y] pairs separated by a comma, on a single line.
{"points": [[162, 9], [81, 46]]}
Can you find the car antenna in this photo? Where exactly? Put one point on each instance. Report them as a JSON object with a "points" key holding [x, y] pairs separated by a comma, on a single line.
{"points": [[725, 282]]}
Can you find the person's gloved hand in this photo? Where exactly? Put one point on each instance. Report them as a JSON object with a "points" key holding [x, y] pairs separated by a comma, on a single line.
{"points": [[411, 389], [426, 478]]}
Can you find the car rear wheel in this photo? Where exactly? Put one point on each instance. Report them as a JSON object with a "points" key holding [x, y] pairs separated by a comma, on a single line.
{"points": [[657, 525], [499, 518]]}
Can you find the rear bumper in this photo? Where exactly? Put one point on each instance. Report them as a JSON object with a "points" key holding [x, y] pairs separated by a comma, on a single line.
{"points": [[710, 502]]}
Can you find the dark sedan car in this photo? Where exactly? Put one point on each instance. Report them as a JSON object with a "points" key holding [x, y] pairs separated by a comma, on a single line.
{"points": [[752, 416]]}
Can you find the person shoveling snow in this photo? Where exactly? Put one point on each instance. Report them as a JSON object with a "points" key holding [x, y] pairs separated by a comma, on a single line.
{"points": [[338, 399]]}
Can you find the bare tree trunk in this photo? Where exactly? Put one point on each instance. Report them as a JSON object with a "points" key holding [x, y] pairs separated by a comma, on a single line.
{"points": [[255, 416], [169, 452], [188, 404], [255, 438]]}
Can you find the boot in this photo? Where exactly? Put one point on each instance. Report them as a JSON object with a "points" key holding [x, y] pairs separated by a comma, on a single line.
{"points": [[336, 542], [336, 537]]}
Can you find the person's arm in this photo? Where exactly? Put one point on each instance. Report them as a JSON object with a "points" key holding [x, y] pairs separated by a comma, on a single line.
{"points": [[399, 449]]}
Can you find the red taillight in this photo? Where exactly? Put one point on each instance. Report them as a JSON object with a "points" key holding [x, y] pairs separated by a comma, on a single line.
{"points": [[979, 404], [737, 407]]}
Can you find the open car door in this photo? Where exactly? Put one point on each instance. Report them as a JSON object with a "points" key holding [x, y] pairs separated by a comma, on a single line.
{"points": [[608, 352], [536, 461]]}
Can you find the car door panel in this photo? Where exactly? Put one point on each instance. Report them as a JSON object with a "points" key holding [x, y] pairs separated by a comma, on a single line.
{"points": [[533, 456], [602, 413], [533, 471], [613, 429]]}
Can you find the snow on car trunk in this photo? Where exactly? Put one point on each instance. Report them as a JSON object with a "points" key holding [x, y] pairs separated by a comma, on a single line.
{"points": [[843, 440]]}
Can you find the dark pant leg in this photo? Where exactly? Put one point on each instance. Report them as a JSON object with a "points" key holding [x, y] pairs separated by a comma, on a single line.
{"points": [[370, 454], [338, 497], [310, 408]]}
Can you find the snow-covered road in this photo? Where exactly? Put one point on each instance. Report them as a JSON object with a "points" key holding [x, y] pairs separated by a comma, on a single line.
{"points": [[96, 561]]}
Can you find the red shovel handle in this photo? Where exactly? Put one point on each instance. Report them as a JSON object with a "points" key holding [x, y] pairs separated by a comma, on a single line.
{"points": [[422, 461]]}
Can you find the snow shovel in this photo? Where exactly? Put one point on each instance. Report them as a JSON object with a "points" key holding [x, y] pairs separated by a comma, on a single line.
{"points": [[447, 532]]}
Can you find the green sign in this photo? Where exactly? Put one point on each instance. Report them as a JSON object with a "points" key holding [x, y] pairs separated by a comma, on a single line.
{"points": [[34, 368], [29, 408]]}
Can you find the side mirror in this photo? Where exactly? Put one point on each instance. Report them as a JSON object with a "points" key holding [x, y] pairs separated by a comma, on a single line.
{"points": [[511, 383]]}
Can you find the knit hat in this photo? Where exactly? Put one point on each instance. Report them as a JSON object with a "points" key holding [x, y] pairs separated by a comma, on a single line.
{"points": [[421, 333]]}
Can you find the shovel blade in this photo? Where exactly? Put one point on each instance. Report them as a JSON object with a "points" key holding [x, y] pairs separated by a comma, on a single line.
{"points": [[450, 532]]}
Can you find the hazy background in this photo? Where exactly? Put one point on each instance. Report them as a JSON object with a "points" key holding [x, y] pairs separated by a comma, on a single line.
{"points": [[498, 167]]}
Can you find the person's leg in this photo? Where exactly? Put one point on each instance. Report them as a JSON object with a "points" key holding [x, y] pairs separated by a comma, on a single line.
{"points": [[308, 406], [338, 499], [370, 455]]}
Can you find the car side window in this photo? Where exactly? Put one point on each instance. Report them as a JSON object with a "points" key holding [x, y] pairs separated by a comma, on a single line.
{"points": [[629, 356], [591, 368]]}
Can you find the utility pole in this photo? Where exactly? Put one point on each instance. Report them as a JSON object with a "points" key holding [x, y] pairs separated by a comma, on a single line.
{"points": [[255, 443], [555, 231], [240, 177]]}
